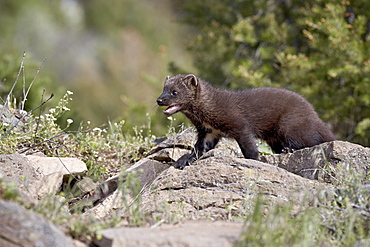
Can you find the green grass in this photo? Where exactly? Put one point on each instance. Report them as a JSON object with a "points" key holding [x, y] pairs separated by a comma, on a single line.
{"points": [[326, 218], [103, 149]]}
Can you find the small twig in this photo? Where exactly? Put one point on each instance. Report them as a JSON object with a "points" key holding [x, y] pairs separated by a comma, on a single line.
{"points": [[331, 207], [15, 83], [44, 150], [26, 115], [39, 116], [158, 224], [62, 145], [49, 140], [33, 80], [138, 195], [2, 82], [23, 86], [360, 208], [70, 173], [84, 157]]}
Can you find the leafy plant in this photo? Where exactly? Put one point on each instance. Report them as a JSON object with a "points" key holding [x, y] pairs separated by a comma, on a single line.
{"points": [[318, 48], [8, 191]]}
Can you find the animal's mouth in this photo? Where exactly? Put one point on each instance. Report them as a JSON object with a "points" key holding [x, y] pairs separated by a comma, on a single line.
{"points": [[172, 109]]}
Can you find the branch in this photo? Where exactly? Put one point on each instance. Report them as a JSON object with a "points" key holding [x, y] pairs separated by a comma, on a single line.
{"points": [[15, 83], [26, 115], [51, 138], [29, 87]]}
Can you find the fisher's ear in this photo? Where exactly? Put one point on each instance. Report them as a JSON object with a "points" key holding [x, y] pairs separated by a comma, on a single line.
{"points": [[191, 80], [167, 77]]}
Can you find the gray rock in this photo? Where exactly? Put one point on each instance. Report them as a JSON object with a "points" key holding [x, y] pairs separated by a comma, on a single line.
{"points": [[86, 185], [52, 170], [212, 187], [168, 154], [15, 169], [19, 227], [184, 140], [328, 162], [170, 150], [62, 165], [111, 198], [38, 176], [190, 233], [147, 170], [12, 117]]}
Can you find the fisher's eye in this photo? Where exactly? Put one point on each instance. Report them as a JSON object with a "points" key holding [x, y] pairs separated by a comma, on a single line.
{"points": [[174, 93]]}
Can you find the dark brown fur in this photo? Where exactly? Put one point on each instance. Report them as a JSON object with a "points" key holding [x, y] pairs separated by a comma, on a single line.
{"points": [[284, 119]]}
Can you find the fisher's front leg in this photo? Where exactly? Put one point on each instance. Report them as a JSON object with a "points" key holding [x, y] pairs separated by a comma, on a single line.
{"points": [[207, 140]]}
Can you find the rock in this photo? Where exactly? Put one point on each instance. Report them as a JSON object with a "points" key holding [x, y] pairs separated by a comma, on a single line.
{"points": [[362, 243], [212, 187], [48, 185], [106, 206], [111, 198], [158, 140], [147, 170], [78, 243], [15, 169], [226, 147], [19, 227], [62, 165], [328, 162], [38, 176], [221, 185], [184, 140], [53, 169], [13, 118], [170, 150], [190, 233], [86, 185], [168, 154]]}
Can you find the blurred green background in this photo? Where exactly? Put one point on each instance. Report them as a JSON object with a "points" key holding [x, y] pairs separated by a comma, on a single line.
{"points": [[114, 55]]}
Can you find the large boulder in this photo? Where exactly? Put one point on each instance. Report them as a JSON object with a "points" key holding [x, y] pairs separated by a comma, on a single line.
{"points": [[110, 195], [38, 176], [15, 169], [190, 233], [19, 227], [214, 186], [62, 165], [328, 162], [222, 180]]}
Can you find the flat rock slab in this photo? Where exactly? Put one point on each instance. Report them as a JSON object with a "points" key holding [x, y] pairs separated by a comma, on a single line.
{"points": [[190, 233], [168, 154], [183, 140], [53, 169], [147, 170], [38, 176], [210, 188], [15, 169], [19, 227], [328, 162], [110, 196], [49, 165]]}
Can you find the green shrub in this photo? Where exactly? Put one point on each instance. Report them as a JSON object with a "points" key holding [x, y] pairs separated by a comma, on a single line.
{"points": [[312, 47]]}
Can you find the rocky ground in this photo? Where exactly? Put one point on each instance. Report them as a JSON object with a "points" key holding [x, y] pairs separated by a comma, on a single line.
{"points": [[197, 206]]}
